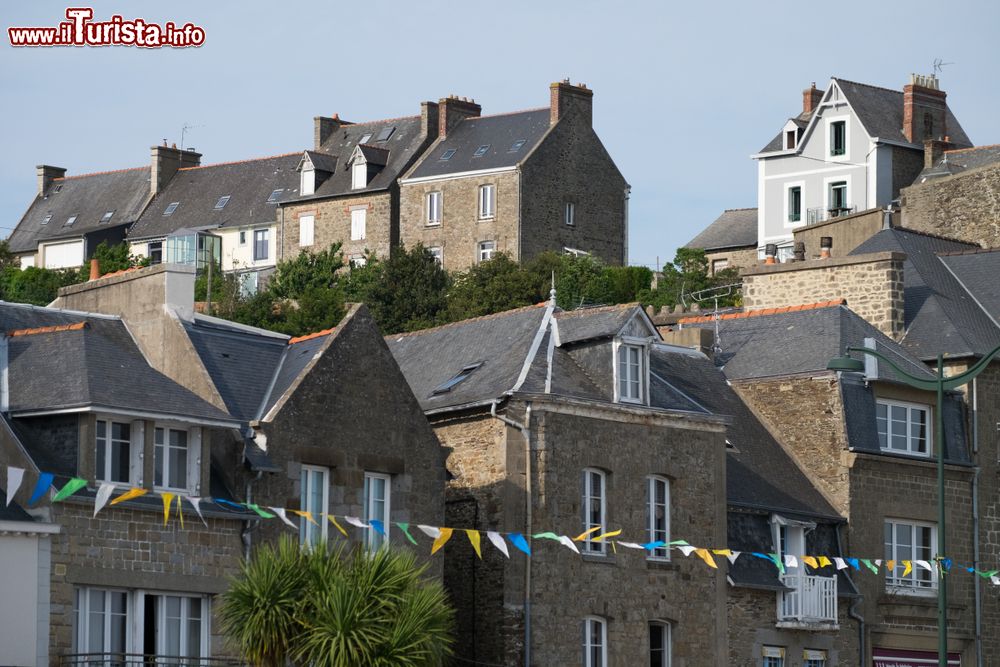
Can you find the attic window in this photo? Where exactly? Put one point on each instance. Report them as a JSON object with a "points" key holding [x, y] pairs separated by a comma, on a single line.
{"points": [[69, 221], [107, 217], [221, 204], [448, 154], [481, 151], [57, 188], [273, 197], [516, 146], [47, 218], [365, 138], [171, 208], [449, 384], [790, 139], [385, 133]]}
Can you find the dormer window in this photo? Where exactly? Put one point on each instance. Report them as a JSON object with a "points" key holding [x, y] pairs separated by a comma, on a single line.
{"points": [[790, 140], [307, 184], [631, 372], [359, 174]]}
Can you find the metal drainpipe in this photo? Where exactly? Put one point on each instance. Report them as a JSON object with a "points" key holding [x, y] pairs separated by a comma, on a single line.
{"points": [[852, 610], [526, 434], [249, 525], [975, 522]]}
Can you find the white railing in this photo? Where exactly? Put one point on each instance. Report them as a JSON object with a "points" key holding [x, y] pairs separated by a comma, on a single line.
{"points": [[814, 215], [810, 599]]}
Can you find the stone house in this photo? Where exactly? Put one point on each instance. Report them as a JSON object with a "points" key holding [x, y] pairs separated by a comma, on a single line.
{"points": [[521, 183], [730, 241], [557, 421]]}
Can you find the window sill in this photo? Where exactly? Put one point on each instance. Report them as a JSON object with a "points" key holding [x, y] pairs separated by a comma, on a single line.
{"points": [[488, 219], [918, 596], [661, 565], [605, 558], [432, 224]]}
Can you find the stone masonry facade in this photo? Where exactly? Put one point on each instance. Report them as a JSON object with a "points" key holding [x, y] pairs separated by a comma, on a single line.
{"points": [[332, 224], [965, 206]]}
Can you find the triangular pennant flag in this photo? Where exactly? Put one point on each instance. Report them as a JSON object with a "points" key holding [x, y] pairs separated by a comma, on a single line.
{"points": [[429, 531], [582, 536], [103, 495], [14, 478], [946, 564], [545, 536], [778, 563], [196, 504], [995, 580], [733, 556], [167, 499], [678, 543], [261, 512], [44, 483], [722, 552], [355, 521], [878, 562], [707, 557], [405, 527], [811, 562], [841, 563], [568, 543], [824, 561], [180, 512], [517, 539], [871, 566], [631, 545], [280, 512], [333, 520], [907, 568], [988, 575], [129, 495], [473, 536], [441, 540], [496, 539], [228, 503], [69, 488], [687, 549], [791, 561], [890, 565], [378, 527], [924, 564], [854, 563], [308, 516], [650, 546], [613, 533]]}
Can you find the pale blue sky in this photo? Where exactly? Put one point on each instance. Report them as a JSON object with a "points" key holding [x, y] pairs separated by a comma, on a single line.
{"points": [[684, 92]]}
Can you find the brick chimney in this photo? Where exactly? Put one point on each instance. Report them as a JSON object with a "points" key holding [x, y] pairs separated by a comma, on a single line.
{"points": [[323, 129], [924, 109], [565, 99], [811, 97], [428, 119], [934, 149], [46, 175], [452, 110], [166, 160]]}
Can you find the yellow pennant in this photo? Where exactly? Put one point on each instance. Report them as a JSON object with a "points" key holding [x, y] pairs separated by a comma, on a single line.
{"points": [[180, 514], [707, 557], [824, 561], [473, 536], [333, 520], [128, 495], [890, 565], [722, 552], [306, 515], [440, 540], [581, 536], [907, 567], [613, 533], [811, 562], [167, 499]]}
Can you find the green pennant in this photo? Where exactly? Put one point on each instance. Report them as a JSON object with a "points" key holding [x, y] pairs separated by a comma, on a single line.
{"points": [[679, 543], [256, 508], [871, 566], [988, 575], [546, 536], [405, 527], [71, 487]]}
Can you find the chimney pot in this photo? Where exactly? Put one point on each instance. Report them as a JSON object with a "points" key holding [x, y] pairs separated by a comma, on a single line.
{"points": [[800, 251], [924, 109], [770, 253], [95, 269], [825, 244]]}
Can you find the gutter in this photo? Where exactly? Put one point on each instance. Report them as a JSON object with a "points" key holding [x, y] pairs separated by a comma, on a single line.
{"points": [[975, 524], [852, 610]]}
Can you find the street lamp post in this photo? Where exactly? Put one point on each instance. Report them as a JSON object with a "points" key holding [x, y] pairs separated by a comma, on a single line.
{"points": [[938, 385]]}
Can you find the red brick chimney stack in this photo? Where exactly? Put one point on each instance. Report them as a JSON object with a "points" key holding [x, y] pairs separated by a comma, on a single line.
{"points": [[924, 109], [452, 110], [566, 99], [810, 98]]}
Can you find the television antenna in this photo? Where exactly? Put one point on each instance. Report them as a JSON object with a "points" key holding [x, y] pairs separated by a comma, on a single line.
{"points": [[184, 129], [714, 294], [939, 65]]}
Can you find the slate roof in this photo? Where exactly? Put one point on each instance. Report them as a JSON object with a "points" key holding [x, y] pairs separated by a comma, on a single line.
{"points": [[248, 183], [598, 322], [956, 161], [977, 271], [89, 197], [939, 314], [498, 132], [735, 228], [322, 161], [12, 512]]}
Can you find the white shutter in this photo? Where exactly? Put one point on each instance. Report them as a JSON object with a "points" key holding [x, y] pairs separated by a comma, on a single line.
{"points": [[64, 255], [306, 226], [358, 224], [194, 460]]}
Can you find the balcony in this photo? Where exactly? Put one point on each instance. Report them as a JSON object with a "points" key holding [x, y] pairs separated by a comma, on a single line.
{"points": [[810, 602], [814, 215], [141, 660]]}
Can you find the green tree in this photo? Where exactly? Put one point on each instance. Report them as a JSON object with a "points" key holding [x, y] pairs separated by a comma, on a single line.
{"points": [[308, 270], [686, 275], [492, 286], [35, 285], [116, 258], [411, 291]]}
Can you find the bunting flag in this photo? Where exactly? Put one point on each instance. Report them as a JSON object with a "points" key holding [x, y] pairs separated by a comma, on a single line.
{"points": [[652, 546], [841, 563], [811, 562], [44, 484], [686, 549], [890, 565], [473, 536], [791, 561], [444, 535], [722, 552], [582, 536], [260, 511], [707, 557], [180, 512], [167, 499], [517, 539], [568, 543], [870, 565], [733, 556], [129, 495], [196, 504], [907, 568], [355, 521], [923, 564], [429, 531], [613, 533], [497, 541], [69, 488], [308, 516], [230, 504], [333, 520], [280, 513], [824, 561], [378, 527], [946, 564], [854, 563], [545, 536], [405, 527], [103, 495], [14, 478]]}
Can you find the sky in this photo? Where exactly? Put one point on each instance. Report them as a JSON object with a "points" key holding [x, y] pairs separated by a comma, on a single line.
{"points": [[684, 92]]}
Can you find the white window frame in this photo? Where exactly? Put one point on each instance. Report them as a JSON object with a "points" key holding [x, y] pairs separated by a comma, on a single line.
{"points": [[590, 546], [814, 658], [266, 231], [652, 505], [720, 264], [359, 222], [374, 539], [307, 182], [829, 121], [827, 182], [309, 532], [801, 185], [307, 230], [914, 583], [668, 642], [910, 427], [589, 622], [487, 201], [192, 470], [161, 618], [772, 656], [82, 619], [437, 252], [434, 211], [242, 238], [640, 345], [569, 213], [359, 175], [136, 442], [484, 254]]}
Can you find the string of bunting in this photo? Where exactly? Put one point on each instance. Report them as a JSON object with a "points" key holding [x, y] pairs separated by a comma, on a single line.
{"points": [[442, 534]]}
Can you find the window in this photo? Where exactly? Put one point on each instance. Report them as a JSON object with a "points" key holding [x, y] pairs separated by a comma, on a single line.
{"points": [[69, 221], [595, 642], [170, 460], [814, 658], [358, 217], [377, 491], [659, 644], [487, 201], [314, 497], [569, 213], [773, 656], [910, 541], [486, 250], [903, 427], [385, 133], [433, 208], [365, 138], [47, 218], [838, 138], [221, 204], [436, 253], [306, 228], [448, 154], [249, 282], [516, 146], [481, 151], [106, 218], [273, 197], [243, 237], [154, 250], [359, 175], [789, 139], [630, 373], [171, 207], [450, 383], [101, 621], [594, 509], [260, 241], [181, 625], [795, 203], [838, 197], [719, 265], [357, 261], [307, 181], [658, 514], [114, 452]]}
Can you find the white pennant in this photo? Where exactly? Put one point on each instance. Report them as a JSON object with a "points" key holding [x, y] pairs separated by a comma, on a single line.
{"points": [[496, 539], [280, 511], [791, 561], [14, 477], [841, 563], [430, 531], [196, 504], [567, 542], [996, 580], [687, 549], [733, 556], [924, 564], [103, 496], [355, 521], [630, 545], [878, 563]]}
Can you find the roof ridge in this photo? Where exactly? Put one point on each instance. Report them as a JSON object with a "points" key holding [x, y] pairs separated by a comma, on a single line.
{"points": [[605, 308], [868, 85], [507, 113], [970, 251], [98, 173], [75, 326], [748, 208], [971, 148], [766, 311], [541, 304], [380, 148], [310, 336], [932, 235], [253, 159], [380, 120]]}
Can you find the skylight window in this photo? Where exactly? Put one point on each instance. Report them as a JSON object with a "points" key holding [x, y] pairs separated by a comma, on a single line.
{"points": [[47, 218], [57, 188], [449, 384], [221, 204], [273, 197], [106, 218], [385, 133], [366, 138], [516, 146], [481, 151], [171, 208], [448, 154], [69, 221]]}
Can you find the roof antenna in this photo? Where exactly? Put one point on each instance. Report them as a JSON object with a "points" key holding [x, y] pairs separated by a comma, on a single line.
{"points": [[184, 128], [715, 293], [939, 65]]}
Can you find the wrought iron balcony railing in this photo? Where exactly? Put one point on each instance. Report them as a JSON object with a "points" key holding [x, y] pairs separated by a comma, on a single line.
{"points": [[141, 660]]}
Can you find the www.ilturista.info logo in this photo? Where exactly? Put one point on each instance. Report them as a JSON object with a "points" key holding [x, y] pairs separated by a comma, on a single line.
{"points": [[79, 30]]}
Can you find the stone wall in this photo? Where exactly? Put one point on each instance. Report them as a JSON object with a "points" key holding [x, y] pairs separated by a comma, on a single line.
{"points": [[332, 224], [871, 284], [907, 163], [847, 232], [739, 258], [965, 206]]}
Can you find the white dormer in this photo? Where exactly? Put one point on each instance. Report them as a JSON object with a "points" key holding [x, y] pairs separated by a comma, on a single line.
{"points": [[307, 176], [790, 135], [631, 359], [359, 169]]}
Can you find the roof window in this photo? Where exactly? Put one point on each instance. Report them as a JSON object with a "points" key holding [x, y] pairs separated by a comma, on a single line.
{"points": [[221, 204], [69, 221], [450, 383], [448, 154], [365, 138], [57, 188], [106, 218], [273, 197], [171, 208], [47, 218], [481, 151], [385, 133], [516, 146]]}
